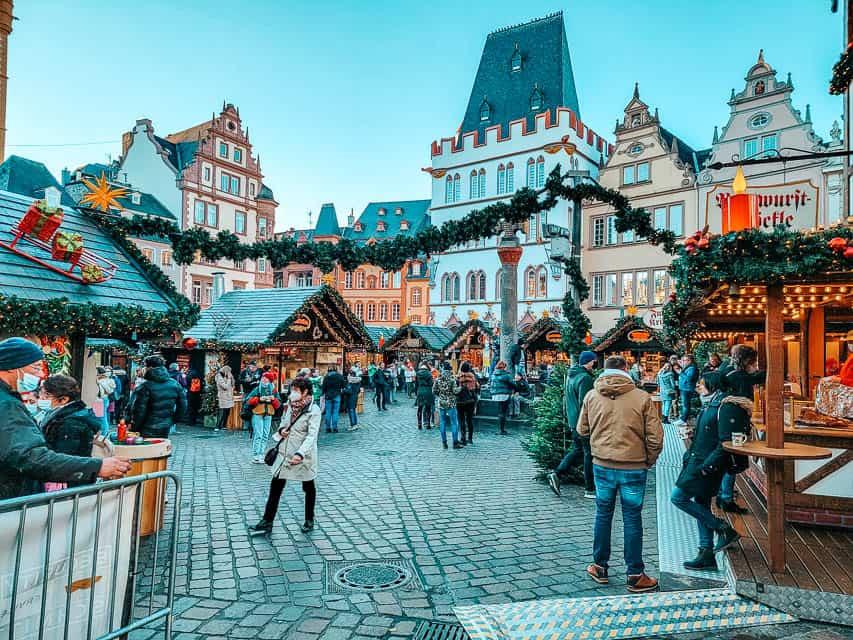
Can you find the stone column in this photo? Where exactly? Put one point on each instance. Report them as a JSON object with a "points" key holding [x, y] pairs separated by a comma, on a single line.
{"points": [[5, 30], [509, 252]]}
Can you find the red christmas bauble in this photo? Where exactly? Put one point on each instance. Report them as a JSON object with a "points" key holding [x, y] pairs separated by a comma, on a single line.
{"points": [[704, 243], [848, 253], [189, 343], [837, 244]]}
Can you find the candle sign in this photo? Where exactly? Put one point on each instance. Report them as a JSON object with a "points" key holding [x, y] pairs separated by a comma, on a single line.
{"points": [[793, 206]]}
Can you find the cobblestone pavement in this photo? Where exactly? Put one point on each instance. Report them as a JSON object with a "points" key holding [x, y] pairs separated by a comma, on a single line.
{"points": [[472, 525]]}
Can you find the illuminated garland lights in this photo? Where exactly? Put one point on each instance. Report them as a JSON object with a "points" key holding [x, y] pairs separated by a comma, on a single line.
{"points": [[842, 73]]}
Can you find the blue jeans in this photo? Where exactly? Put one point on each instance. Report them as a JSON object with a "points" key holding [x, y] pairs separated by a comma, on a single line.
{"points": [[446, 416], [352, 402], [333, 410], [699, 508], [260, 435], [727, 488], [105, 420], [666, 407], [630, 485], [686, 397], [391, 391]]}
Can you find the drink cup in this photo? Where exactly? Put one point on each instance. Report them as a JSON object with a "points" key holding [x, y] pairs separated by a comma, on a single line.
{"points": [[738, 439], [683, 431]]}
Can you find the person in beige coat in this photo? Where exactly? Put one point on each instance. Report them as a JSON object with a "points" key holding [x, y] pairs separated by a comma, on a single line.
{"points": [[224, 394], [297, 453], [625, 438]]}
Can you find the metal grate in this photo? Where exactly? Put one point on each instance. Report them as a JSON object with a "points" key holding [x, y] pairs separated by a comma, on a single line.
{"points": [[347, 576], [440, 631]]}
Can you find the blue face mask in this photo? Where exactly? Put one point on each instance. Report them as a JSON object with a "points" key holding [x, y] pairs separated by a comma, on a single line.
{"points": [[28, 383], [32, 408]]}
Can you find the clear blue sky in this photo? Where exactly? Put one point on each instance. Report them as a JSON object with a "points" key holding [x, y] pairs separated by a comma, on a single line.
{"points": [[342, 99]]}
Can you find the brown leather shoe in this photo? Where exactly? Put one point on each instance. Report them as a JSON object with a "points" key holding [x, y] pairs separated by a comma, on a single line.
{"points": [[642, 583], [597, 573]]}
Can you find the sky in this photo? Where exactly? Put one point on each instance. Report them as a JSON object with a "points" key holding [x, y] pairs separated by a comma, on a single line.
{"points": [[342, 99]]}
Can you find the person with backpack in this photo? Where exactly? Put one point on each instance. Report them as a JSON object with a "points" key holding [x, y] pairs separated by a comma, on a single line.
{"points": [[466, 403], [378, 380], [705, 464], [445, 389], [195, 388]]}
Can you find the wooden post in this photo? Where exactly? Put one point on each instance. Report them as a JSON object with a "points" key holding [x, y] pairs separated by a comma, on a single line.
{"points": [[816, 349], [804, 352], [774, 426]]}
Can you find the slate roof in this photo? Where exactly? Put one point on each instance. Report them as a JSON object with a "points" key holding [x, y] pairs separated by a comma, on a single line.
{"points": [[327, 221], [434, 338], [29, 178], [546, 64], [23, 278], [415, 212], [376, 332], [180, 154], [265, 193], [701, 157], [685, 153]]}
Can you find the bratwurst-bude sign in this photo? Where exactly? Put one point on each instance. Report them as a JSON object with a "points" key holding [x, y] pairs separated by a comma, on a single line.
{"points": [[793, 205]]}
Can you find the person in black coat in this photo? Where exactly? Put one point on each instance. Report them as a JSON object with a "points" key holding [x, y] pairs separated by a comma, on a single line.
{"points": [[69, 426], [332, 387], [195, 391], [380, 384], [159, 403], [704, 465]]}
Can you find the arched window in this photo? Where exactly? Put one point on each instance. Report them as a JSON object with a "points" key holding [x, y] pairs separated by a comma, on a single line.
{"points": [[531, 172], [348, 280], [371, 282], [542, 282], [501, 178], [499, 283], [515, 61], [510, 178], [383, 311], [359, 310], [482, 282], [482, 190], [536, 99], [457, 188], [456, 286], [416, 297], [471, 293], [384, 279], [485, 111], [759, 88], [448, 190], [371, 311], [540, 172], [530, 282], [445, 288], [359, 279], [473, 185]]}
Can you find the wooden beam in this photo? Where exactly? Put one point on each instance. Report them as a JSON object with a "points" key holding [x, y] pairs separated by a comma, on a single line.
{"points": [[774, 425], [816, 348]]}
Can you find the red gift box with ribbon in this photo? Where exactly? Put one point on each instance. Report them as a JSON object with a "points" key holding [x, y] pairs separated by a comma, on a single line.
{"points": [[67, 246], [41, 221], [92, 274]]}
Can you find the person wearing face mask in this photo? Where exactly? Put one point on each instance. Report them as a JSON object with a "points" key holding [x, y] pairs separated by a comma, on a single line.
{"points": [[106, 389], [69, 426], [26, 461], [296, 454]]}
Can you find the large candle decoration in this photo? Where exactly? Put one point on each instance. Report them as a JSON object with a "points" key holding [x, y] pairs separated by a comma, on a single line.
{"points": [[740, 210]]}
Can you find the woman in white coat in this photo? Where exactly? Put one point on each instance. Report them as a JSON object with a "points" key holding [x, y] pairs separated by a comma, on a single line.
{"points": [[297, 453]]}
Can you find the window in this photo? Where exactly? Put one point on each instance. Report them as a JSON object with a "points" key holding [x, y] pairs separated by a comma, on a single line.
{"points": [[485, 111], [380, 226], [240, 222], [240, 265], [348, 280], [238, 286], [395, 312], [476, 286], [383, 311], [499, 283], [395, 276], [278, 280], [224, 182], [196, 292], [415, 319], [628, 236], [660, 218], [610, 290], [371, 311], [223, 150], [207, 174], [262, 227], [636, 149], [359, 280], [262, 265], [612, 236], [501, 178], [212, 215], [404, 225], [148, 253], [515, 61], [750, 148], [660, 283], [510, 178], [198, 212], [759, 121], [238, 155], [473, 185], [208, 292], [530, 283], [643, 172], [457, 188], [448, 190], [759, 88], [627, 289], [251, 188], [642, 298], [165, 258], [540, 172], [416, 297], [371, 282], [358, 227], [598, 291], [536, 99], [482, 190], [384, 280], [531, 172], [305, 279], [235, 185], [598, 232], [676, 219], [398, 211], [768, 145], [541, 282], [359, 310], [628, 174], [381, 211]]}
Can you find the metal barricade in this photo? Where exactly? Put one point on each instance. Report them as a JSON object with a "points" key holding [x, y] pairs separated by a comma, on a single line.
{"points": [[70, 560]]}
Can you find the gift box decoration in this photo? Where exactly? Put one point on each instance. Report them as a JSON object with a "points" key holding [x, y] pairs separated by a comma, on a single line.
{"points": [[41, 221], [93, 274], [67, 246]]}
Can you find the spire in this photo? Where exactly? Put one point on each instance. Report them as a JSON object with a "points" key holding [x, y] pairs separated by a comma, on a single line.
{"points": [[716, 135], [733, 94], [761, 56], [636, 91], [657, 115], [808, 113], [223, 105], [790, 82], [673, 148]]}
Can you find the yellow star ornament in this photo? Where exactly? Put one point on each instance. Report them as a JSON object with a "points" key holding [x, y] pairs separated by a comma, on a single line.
{"points": [[101, 195]]}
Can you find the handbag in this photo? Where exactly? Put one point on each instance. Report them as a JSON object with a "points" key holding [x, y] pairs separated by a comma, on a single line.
{"points": [[272, 454]]}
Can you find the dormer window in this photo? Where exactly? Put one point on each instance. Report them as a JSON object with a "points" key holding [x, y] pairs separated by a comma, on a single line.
{"points": [[485, 111], [404, 225], [537, 100], [380, 226], [398, 211], [515, 61], [358, 227], [758, 90], [135, 197], [381, 211]]}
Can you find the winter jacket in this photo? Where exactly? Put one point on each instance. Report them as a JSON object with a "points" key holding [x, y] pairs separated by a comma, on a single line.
{"points": [[738, 382], [106, 388], [579, 381], [622, 424], [224, 391], [249, 379], [179, 376], [688, 378], [157, 404], [301, 438], [469, 388], [502, 383], [316, 387], [667, 384], [445, 389], [26, 461], [424, 396], [333, 385], [705, 463], [379, 379], [353, 385], [263, 407], [195, 383], [71, 429]]}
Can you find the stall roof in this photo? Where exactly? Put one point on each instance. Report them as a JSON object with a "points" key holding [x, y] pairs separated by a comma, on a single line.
{"points": [[474, 325], [434, 338], [261, 316], [619, 338], [376, 333], [540, 329], [28, 280]]}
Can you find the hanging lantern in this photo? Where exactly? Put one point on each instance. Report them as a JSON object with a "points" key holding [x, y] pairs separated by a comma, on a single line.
{"points": [[740, 210], [189, 343]]}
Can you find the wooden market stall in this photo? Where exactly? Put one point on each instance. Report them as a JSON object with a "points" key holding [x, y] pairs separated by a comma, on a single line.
{"points": [[470, 343], [637, 342], [541, 343], [417, 341], [375, 353]]}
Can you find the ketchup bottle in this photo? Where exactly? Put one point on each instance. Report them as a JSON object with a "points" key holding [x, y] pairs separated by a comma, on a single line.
{"points": [[122, 431]]}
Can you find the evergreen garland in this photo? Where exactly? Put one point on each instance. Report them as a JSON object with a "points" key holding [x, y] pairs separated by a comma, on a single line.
{"points": [[550, 438], [842, 73]]}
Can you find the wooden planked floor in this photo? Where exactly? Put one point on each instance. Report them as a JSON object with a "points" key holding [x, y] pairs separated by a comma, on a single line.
{"points": [[817, 558]]}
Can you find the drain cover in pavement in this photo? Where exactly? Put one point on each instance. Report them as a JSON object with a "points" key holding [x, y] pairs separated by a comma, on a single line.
{"points": [[371, 575], [440, 631]]}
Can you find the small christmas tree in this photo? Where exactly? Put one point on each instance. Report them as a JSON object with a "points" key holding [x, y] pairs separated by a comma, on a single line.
{"points": [[210, 399], [550, 438]]}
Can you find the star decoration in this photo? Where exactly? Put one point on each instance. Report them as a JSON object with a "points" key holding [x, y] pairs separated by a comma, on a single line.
{"points": [[101, 195]]}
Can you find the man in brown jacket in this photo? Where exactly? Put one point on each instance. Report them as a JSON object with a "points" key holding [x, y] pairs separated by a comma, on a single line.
{"points": [[626, 438]]}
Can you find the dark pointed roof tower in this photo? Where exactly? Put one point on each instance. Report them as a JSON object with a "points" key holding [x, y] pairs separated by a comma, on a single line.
{"points": [[327, 222], [525, 70]]}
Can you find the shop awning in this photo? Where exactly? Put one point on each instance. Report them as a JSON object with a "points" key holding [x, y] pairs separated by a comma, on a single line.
{"points": [[418, 337]]}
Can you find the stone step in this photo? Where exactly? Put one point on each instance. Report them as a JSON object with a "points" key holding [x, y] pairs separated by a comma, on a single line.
{"points": [[492, 423]]}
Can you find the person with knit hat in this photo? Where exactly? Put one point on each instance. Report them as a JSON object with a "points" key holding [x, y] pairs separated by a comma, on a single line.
{"points": [[579, 382], [26, 462]]}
